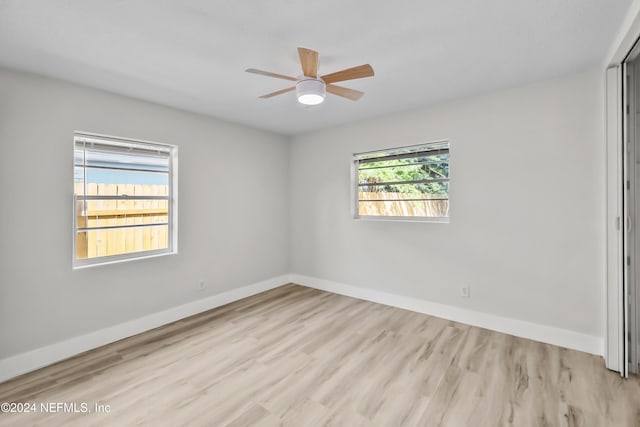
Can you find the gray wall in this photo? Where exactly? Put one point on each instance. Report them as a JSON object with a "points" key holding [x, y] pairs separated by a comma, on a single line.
{"points": [[527, 206], [233, 213], [527, 209]]}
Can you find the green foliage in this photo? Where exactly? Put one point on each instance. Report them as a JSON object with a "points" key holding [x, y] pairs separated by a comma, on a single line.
{"points": [[392, 173]]}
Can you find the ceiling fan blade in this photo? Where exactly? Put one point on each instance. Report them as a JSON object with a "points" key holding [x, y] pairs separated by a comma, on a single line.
{"points": [[278, 92], [349, 74], [344, 92], [269, 74], [309, 61]]}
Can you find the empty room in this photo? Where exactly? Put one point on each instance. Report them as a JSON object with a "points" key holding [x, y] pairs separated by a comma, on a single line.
{"points": [[283, 213]]}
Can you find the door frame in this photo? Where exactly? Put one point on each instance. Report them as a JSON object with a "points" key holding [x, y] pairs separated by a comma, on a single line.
{"points": [[616, 351]]}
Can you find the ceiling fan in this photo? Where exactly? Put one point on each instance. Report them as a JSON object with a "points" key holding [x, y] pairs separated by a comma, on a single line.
{"points": [[310, 88]]}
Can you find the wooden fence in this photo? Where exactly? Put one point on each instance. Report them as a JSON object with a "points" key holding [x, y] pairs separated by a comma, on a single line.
{"points": [[392, 206], [101, 213]]}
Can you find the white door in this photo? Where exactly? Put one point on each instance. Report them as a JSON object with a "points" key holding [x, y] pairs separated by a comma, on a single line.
{"points": [[628, 207], [615, 353]]}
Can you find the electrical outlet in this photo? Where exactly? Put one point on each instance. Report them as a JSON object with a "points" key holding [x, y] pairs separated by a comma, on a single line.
{"points": [[465, 292], [202, 285]]}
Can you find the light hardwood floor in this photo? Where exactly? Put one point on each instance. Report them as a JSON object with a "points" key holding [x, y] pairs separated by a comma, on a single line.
{"points": [[296, 356]]}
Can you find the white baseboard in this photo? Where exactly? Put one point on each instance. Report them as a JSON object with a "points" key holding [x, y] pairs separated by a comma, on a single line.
{"points": [[43, 356], [547, 334]]}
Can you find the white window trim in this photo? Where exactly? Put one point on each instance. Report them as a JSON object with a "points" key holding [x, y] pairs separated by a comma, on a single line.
{"points": [[354, 189], [173, 208]]}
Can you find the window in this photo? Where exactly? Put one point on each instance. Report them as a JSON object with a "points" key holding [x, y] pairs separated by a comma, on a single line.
{"points": [[403, 183], [124, 204]]}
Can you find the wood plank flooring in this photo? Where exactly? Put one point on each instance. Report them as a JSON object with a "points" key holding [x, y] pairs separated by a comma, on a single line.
{"points": [[296, 356]]}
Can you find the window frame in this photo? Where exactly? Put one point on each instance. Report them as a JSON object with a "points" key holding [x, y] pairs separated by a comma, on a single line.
{"points": [[172, 214], [355, 206]]}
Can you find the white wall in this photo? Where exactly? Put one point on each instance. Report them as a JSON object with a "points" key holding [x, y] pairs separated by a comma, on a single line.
{"points": [[232, 216], [527, 197], [527, 192]]}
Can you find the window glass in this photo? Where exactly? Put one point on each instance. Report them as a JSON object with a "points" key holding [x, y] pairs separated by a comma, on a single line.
{"points": [[123, 199], [406, 182]]}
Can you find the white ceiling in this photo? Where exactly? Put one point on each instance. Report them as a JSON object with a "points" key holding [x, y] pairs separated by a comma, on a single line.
{"points": [[192, 54]]}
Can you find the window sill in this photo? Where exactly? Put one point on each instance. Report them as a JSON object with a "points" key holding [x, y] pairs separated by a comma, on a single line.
{"points": [[117, 259], [439, 220]]}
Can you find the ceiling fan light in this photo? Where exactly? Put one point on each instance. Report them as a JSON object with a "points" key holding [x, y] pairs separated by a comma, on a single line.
{"points": [[310, 91], [310, 99]]}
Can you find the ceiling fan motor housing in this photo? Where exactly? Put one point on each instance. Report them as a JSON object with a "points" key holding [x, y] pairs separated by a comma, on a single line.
{"points": [[311, 91]]}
